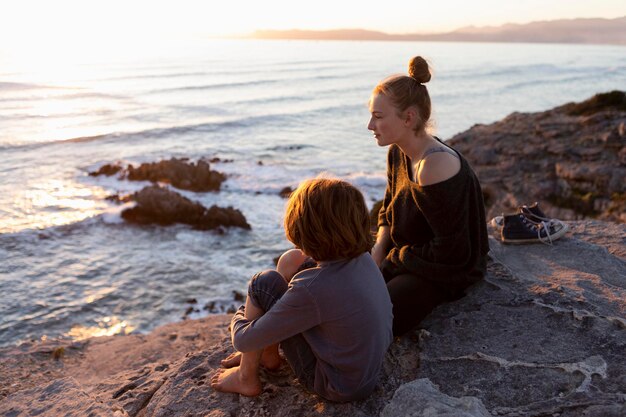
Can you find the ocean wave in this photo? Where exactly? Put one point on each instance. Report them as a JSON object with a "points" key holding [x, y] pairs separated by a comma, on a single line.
{"points": [[72, 96], [290, 147], [11, 86], [270, 119], [550, 81], [238, 84], [290, 66], [157, 76], [508, 71], [215, 86]]}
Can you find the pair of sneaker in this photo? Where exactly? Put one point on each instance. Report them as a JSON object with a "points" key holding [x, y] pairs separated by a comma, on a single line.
{"points": [[529, 225]]}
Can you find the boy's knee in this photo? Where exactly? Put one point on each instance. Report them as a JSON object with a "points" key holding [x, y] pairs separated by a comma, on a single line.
{"points": [[265, 278], [265, 288], [289, 263]]}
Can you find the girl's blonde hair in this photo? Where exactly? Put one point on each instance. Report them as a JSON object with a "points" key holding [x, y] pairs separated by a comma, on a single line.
{"points": [[406, 91]]}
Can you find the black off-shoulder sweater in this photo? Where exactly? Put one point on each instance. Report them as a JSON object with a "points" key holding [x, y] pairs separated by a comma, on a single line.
{"points": [[438, 231]]}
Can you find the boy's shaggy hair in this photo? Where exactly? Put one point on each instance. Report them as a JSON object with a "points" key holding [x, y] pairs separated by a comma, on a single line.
{"points": [[328, 220]]}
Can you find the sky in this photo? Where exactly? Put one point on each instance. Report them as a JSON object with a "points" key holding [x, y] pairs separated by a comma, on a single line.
{"points": [[39, 26], [35, 18]]}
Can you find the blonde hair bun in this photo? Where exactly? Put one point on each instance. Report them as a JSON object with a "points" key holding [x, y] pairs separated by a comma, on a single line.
{"points": [[418, 69]]}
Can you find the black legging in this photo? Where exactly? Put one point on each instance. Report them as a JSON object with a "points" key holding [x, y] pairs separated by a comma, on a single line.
{"points": [[413, 299]]}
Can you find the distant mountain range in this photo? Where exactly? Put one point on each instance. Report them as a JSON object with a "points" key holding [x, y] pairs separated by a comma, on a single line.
{"points": [[596, 31]]}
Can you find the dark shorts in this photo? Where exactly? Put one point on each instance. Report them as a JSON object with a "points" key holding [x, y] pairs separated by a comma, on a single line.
{"points": [[264, 290]]}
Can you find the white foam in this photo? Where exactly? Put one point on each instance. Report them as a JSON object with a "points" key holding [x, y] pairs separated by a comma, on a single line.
{"points": [[113, 215]]}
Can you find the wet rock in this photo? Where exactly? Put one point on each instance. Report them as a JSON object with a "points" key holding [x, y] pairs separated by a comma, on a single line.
{"points": [[179, 173], [210, 307], [118, 199], [107, 169], [285, 192], [571, 159], [237, 296], [218, 159], [160, 205]]}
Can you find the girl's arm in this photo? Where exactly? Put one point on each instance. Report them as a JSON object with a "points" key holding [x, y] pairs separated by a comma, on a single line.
{"points": [[381, 247]]}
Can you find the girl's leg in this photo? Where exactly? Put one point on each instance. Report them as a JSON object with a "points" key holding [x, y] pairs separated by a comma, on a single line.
{"points": [[242, 379], [413, 299]]}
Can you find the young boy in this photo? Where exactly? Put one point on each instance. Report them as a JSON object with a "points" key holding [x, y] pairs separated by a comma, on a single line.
{"points": [[333, 321]]}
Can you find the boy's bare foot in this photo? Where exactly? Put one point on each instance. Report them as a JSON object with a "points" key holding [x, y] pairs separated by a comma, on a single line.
{"points": [[270, 359], [234, 359], [231, 380]]}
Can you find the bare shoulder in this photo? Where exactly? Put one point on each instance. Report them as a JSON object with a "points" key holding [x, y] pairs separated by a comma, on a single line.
{"points": [[438, 167]]}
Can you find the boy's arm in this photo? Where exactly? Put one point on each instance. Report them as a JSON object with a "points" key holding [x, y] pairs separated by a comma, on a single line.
{"points": [[294, 313]]}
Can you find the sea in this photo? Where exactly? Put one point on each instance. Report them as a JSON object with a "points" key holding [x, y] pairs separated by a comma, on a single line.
{"points": [[282, 111]]}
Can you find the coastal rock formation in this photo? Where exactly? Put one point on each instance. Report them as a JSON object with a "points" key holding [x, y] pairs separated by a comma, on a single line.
{"points": [[160, 205], [285, 192], [178, 172], [543, 335], [571, 158]]}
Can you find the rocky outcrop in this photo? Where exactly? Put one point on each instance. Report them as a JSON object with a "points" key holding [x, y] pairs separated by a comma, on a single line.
{"points": [[285, 192], [180, 173], [571, 158], [543, 335], [160, 205]]}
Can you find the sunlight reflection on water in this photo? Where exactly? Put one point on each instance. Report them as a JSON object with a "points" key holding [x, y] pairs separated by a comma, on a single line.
{"points": [[54, 202], [107, 326]]}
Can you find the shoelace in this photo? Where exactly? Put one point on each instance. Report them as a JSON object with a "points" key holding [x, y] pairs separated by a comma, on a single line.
{"points": [[545, 225]]}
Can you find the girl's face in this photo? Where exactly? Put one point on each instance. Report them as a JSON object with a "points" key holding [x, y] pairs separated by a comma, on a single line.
{"points": [[388, 127]]}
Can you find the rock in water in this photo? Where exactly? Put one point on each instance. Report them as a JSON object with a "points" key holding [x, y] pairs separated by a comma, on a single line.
{"points": [[107, 169], [163, 206], [179, 173]]}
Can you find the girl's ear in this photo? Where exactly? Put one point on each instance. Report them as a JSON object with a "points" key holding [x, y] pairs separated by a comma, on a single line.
{"points": [[410, 116]]}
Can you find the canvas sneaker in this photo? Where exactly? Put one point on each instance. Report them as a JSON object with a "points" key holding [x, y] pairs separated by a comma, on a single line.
{"points": [[518, 229], [536, 215]]}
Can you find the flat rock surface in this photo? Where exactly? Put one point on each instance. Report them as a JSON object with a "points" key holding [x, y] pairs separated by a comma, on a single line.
{"points": [[543, 335]]}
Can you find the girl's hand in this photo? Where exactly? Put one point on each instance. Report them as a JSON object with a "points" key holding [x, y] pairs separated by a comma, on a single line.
{"points": [[381, 247], [378, 254]]}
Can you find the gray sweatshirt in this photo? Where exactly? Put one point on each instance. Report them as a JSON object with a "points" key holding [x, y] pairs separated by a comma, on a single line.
{"points": [[343, 310]]}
